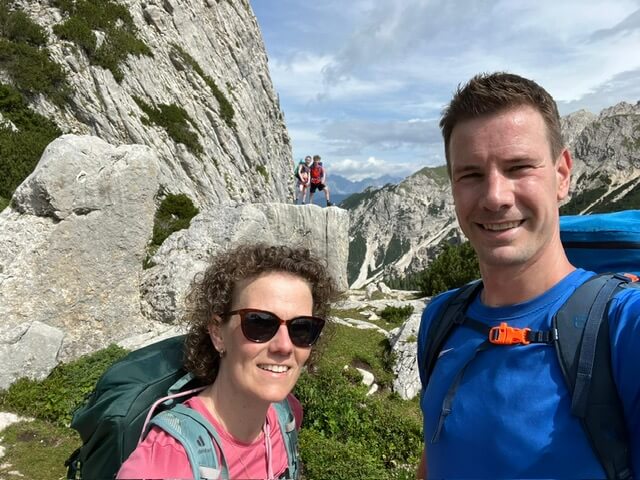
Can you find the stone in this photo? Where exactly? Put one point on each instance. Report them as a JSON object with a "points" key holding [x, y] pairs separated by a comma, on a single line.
{"points": [[72, 246], [185, 253], [33, 355], [370, 290], [383, 288]]}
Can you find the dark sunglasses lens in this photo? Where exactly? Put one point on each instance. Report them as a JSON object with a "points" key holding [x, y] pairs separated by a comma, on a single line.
{"points": [[304, 331], [259, 326]]}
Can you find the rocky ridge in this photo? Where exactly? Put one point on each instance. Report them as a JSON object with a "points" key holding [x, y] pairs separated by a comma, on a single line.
{"points": [[398, 229]]}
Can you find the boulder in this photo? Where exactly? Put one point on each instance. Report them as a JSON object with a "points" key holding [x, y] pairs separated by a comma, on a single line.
{"points": [[185, 253]]}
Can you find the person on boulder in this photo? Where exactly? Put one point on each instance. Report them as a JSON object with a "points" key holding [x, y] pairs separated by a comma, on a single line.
{"points": [[318, 180], [303, 177]]}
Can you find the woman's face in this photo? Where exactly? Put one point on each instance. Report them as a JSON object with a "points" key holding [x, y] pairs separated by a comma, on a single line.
{"points": [[263, 371]]}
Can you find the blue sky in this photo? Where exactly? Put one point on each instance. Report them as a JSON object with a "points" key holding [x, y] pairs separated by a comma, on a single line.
{"points": [[363, 82]]}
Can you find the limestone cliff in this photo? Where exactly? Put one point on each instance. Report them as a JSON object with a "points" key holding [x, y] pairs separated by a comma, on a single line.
{"points": [[200, 64]]}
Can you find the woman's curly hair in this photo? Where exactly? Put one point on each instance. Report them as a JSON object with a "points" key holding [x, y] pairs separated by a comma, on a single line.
{"points": [[211, 293]]}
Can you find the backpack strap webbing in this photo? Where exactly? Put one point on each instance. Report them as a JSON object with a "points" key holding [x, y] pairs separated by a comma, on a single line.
{"points": [[584, 352], [194, 433], [287, 422], [442, 325]]}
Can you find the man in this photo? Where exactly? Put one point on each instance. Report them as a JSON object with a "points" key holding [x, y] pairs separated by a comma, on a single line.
{"points": [[505, 411], [318, 180]]}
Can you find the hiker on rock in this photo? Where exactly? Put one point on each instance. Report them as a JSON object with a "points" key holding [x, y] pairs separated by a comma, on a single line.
{"points": [[318, 178], [253, 317], [303, 178], [496, 399]]}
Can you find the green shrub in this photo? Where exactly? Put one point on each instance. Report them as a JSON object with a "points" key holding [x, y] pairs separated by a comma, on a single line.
{"points": [[263, 171], [37, 450], [55, 398], [396, 315], [175, 120], [175, 213], [21, 149], [455, 266], [111, 18], [78, 31], [4, 203], [32, 70], [16, 26], [226, 109]]}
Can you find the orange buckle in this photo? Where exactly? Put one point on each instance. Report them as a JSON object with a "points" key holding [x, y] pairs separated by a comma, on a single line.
{"points": [[632, 277], [503, 334]]}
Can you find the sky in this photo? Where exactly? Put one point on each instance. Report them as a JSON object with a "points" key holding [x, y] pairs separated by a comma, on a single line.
{"points": [[363, 82]]}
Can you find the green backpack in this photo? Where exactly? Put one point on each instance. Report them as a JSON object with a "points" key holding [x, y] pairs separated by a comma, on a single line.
{"points": [[111, 421]]}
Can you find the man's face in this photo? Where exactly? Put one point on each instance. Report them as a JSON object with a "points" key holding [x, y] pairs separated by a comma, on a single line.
{"points": [[506, 186]]}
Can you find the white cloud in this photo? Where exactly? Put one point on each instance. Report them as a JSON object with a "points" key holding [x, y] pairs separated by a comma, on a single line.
{"points": [[370, 167]]}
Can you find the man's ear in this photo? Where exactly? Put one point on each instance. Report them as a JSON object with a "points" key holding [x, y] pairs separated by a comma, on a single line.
{"points": [[564, 164], [215, 333]]}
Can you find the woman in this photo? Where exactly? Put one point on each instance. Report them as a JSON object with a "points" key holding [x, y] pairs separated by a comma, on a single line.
{"points": [[253, 316], [302, 178]]}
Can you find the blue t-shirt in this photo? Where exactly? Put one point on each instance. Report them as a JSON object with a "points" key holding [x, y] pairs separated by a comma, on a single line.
{"points": [[510, 416]]}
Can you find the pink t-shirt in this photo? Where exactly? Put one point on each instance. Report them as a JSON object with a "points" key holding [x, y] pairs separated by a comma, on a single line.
{"points": [[162, 456]]}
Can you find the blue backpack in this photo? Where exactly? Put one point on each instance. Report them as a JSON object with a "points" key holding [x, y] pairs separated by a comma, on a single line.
{"points": [[123, 406], [601, 243]]}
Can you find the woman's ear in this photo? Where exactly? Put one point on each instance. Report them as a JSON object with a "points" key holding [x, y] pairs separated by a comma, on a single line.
{"points": [[215, 333]]}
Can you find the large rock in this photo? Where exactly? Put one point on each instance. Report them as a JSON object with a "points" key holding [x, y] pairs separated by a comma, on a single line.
{"points": [[405, 348], [185, 253], [72, 247]]}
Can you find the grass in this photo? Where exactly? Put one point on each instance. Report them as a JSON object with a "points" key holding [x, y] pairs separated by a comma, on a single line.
{"points": [[4, 203], [368, 349], [37, 450]]}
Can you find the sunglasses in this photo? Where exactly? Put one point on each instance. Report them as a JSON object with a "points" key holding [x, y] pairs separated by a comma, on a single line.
{"points": [[261, 326]]}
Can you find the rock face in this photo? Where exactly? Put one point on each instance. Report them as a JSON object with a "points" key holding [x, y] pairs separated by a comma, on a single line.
{"points": [[195, 46], [397, 229], [181, 256], [73, 243]]}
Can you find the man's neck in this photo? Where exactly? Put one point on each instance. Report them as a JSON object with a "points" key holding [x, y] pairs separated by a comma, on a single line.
{"points": [[517, 284]]}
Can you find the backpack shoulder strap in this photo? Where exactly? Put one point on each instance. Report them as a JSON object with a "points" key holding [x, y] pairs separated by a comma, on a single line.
{"points": [[584, 352], [451, 315], [287, 422], [194, 433]]}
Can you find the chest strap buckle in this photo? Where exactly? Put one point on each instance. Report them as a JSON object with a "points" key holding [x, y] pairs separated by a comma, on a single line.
{"points": [[503, 334]]}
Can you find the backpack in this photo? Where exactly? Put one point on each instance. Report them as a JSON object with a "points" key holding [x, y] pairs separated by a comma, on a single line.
{"points": [[122, 408], [580, 331]]}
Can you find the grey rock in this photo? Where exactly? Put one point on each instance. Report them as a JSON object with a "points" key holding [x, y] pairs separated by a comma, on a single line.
{"points": [[383, 288], [71, 249], [371, 289], [32, 355], [405, 348], [185, 253]]}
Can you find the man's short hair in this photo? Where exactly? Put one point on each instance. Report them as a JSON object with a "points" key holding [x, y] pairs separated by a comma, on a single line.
{"points": [[489, 93], [316, 157]]}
